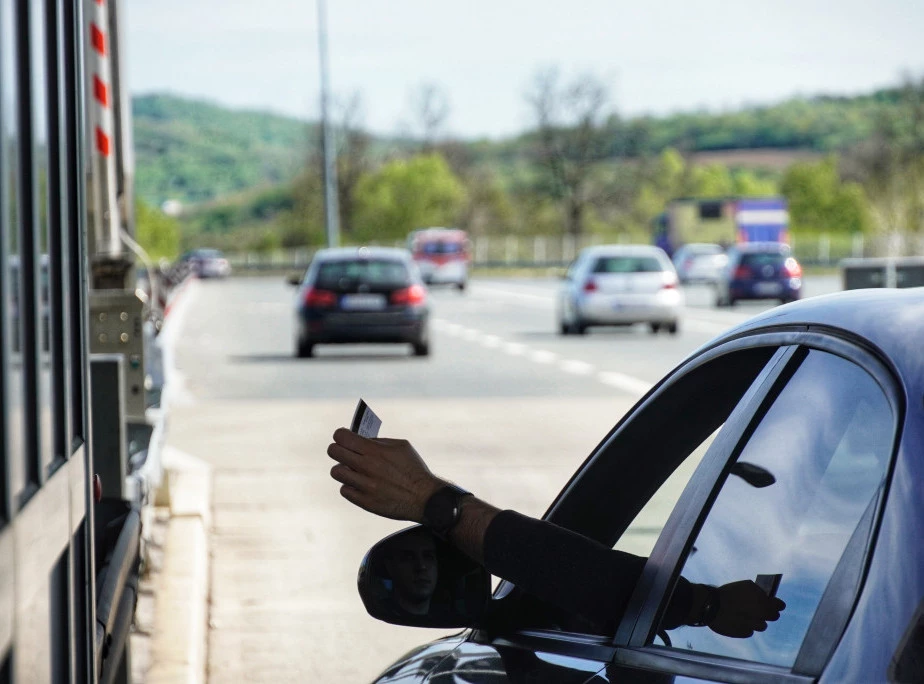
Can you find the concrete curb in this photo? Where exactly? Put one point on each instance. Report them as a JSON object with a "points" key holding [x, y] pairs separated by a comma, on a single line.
{"points": [[179, 647]]}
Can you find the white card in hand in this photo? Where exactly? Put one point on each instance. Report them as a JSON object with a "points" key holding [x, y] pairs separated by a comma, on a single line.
{"points": [[365, 422]]}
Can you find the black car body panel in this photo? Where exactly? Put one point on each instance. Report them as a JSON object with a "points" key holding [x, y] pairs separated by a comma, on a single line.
{"points": [[869, 623]]}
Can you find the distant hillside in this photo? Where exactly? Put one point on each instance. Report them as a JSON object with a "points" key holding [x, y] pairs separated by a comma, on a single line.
{"points": [[196, 151]]}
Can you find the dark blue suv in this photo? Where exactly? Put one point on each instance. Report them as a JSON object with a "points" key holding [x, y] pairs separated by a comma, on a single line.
{"points": [[759, 270]]}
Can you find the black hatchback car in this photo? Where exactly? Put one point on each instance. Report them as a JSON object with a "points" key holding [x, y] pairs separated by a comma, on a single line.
{"points": [[361, 294], [808, 423]]}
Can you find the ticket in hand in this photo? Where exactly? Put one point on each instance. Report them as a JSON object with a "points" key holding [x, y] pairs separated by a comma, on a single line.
{"points": [[365, 422]]}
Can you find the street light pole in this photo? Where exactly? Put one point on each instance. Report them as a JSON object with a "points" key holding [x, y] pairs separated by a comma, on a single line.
{"points": [[331, 210]]}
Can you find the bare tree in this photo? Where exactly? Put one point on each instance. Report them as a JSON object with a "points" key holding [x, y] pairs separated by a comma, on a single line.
{"points": [[352, 156], [569, 119], [429, 109]]}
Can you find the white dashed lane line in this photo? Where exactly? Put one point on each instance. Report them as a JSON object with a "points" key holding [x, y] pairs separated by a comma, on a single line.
{"points": [[620, 381]]}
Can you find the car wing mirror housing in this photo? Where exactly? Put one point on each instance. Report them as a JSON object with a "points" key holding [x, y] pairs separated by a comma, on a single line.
{"points": [[416, 579]]}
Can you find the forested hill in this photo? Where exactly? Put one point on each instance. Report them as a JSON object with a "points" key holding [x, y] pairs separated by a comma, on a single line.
{"points": [[196, 151]]}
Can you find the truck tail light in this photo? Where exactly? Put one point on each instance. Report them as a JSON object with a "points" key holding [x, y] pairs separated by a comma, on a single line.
{"points": [[320, 299], [590, 286]]}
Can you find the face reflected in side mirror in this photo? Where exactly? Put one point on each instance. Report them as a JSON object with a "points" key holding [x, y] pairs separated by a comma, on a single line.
{"points": [[414, 578]]}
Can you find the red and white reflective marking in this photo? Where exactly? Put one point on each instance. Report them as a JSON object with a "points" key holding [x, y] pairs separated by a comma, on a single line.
{"points": [[103, 121]]}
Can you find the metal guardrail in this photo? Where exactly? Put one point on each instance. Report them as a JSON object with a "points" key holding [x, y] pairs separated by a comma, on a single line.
{"points": [[882, 272]]}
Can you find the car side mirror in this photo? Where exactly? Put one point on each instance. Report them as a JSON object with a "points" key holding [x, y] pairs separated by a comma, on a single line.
{"points": [[414, 578]]}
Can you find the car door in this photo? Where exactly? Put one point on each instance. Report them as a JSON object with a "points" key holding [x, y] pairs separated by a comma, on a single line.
{"points": [[821, 431], [531, 640], [720, 406]]}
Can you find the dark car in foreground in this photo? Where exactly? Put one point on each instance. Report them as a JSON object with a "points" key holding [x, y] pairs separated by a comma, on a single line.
{"points": [[759, 270], [361, 294], [807, 422]]}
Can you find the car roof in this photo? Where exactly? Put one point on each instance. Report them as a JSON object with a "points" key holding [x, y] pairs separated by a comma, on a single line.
{"points": [[365, 252], [889, 319], [627, 250]]}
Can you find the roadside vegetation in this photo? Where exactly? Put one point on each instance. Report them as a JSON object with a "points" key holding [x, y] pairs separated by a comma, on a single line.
{"points": [[249, 181]]}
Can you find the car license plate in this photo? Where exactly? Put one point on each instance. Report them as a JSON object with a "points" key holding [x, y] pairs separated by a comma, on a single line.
{"points": [[768, 289], [363, 302]]}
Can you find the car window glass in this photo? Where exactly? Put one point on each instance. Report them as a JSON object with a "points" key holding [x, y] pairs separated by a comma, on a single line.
{"points": [[625, 264], [335, 275], [642, 533], [762, 259], [442, 247], [825, 441]]}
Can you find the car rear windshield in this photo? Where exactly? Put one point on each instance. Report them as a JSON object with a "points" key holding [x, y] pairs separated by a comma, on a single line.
{"points": [[379, 273], [628, 264], [441, 247], [763, 259]]}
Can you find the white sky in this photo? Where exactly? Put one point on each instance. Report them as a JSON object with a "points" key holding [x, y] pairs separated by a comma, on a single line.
{"points": [[657, 56]]}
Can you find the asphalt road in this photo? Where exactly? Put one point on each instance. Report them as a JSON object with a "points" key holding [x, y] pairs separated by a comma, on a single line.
{"points": [[504, 406]]}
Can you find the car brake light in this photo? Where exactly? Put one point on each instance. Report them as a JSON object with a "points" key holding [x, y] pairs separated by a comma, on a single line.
{"points": [[670, 282], [792, 268], [320, 298], [742, 272], [415, 294], [590, 286]]}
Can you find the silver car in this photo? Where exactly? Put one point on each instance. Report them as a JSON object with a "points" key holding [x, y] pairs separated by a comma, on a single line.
{"points": [[700, 262], [620, 285]]}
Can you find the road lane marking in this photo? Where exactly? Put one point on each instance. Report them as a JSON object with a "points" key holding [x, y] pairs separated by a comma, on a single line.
{"points": [[620, 381], [577, 367], [515, 348], [542, 356], [624, 382]]}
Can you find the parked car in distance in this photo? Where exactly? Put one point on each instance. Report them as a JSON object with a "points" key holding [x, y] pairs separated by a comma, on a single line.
{"points": [[806, 428], [361, 294], [699, 262], [759, 270], [442, 255], [208, 263], [619, 285]]}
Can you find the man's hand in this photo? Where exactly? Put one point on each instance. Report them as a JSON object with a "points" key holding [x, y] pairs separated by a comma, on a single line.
{"points": [[383, 476], [744, 608]]}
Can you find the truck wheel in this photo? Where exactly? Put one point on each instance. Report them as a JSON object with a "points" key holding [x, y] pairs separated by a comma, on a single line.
{"points": [[655, 328], [304, 350]]}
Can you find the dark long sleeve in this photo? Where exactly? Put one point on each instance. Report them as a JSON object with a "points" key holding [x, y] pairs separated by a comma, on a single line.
{"points": [[568, 570]]}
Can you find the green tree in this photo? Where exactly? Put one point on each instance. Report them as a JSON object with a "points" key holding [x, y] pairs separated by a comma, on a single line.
{"points": [[158, 233], [404, 195], [820, 201]]}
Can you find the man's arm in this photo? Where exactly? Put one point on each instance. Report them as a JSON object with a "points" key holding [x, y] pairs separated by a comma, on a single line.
{"points": [[388, 477]]}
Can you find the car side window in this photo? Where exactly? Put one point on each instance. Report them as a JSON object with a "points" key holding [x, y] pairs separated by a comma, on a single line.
{"points": [[822, 451]]}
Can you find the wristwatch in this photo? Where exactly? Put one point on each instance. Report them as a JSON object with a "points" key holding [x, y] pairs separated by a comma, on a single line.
{"points": [[443, 508]]}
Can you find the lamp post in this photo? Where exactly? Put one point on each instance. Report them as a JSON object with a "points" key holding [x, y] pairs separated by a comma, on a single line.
{"points": [[331, 210]]}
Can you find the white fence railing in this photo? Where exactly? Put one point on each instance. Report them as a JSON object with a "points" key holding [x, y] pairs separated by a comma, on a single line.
{"points": [[543, 251]]}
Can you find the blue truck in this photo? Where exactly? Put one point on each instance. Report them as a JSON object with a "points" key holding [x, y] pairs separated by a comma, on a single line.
{"points": [[724, 221]]}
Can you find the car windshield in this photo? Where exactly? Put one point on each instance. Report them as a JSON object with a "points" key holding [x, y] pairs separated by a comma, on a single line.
{"points": [[627, 264], [441, 247], [337, 275]]}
